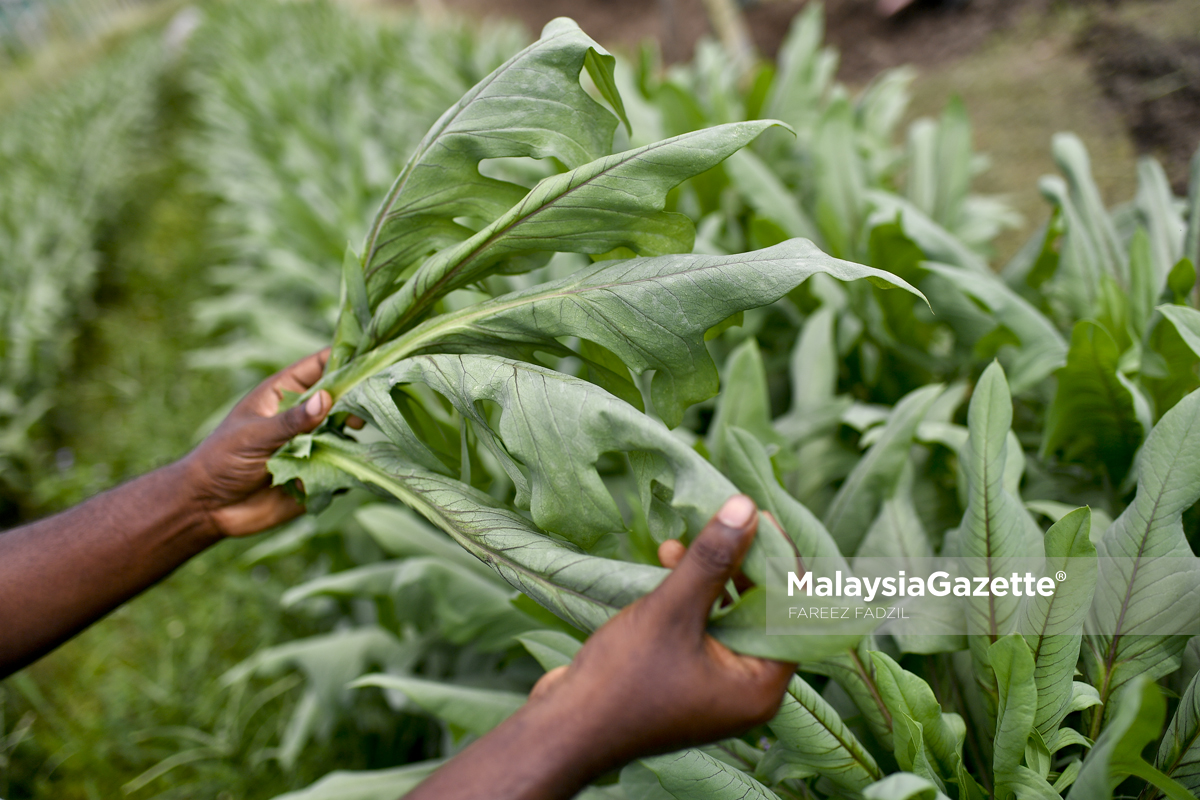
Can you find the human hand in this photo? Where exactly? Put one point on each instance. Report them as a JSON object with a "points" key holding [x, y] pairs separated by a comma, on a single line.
{"points": [[651, 680], [227, 473]]}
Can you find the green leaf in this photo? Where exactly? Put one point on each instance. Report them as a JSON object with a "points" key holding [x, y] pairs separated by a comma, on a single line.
{"points": [[897, 532], [954, 168], [1133, 589], [610, 301], [805, 71], [995, 528], [695, 775], [1017, 703], [768, 196], [550, 648], [877, 472], [840, 182], [1157, 209], [1117, 754], [942, 734], [749, 466], [937, 243], [815, 736], [1181, 280], [1093, 415], [329, 662], [601, 68], [610, 373], [1144, 287], [549, 449], [468, 708], [401, 533], [745, 403], [1179, 751], [1053, 626], [581, 589], [903, 786], [465, 607], [813, 367], [615, 201], [1091, 220], [1191, 239], [1187, 322], [531, 106], [639, 783], [381, 784], [555, 454], [1042, 348], [354, 289]]}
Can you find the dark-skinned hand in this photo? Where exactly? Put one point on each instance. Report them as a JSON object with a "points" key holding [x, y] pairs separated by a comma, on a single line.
{"points": [[649, 681], [229, 476], [60, 574]]}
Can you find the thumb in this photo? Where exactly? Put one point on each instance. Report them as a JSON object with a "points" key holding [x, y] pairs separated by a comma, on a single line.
{"points": [[711, 560], [298, 419]]}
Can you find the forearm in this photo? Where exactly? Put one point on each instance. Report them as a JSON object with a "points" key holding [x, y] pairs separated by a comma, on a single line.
{"points": [[60, 574], [546, 751]]}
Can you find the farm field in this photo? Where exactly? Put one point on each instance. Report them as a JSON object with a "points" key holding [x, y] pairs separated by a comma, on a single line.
{"points": [[188, 194]]}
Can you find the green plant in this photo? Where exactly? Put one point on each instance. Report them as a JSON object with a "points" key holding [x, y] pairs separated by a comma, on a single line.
{"points": [[67, 157], [523, 424]]}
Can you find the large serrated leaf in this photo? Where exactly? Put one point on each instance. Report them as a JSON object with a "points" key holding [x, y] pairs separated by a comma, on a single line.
{"points": [[557, 455], [532, 106], [615, 201], [609, 301]]}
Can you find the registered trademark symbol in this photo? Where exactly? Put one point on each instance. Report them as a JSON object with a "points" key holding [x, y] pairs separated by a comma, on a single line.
{"points": [[1060, 575]]}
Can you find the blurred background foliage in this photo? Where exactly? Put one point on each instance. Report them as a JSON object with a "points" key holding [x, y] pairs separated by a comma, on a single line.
{"points": [[177, 187]]}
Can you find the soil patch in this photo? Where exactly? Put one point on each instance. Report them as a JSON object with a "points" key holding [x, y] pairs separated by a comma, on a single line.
{"points": [[1155, 83]]}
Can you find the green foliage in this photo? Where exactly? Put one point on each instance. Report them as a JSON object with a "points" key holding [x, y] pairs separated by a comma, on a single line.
{"points": [[566, 356], [553, 417], [67, 161]]}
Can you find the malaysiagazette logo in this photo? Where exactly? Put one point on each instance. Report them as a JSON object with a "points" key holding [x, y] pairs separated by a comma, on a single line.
{"points": [[939, 584], [951, 597]]}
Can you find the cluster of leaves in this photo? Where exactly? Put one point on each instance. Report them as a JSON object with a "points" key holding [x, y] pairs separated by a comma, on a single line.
{"points": [[66, 160], [544, 410]]}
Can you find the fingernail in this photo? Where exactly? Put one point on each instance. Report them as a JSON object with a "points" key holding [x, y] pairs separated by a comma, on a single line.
{"points": [[737, 512], [314, 405]]}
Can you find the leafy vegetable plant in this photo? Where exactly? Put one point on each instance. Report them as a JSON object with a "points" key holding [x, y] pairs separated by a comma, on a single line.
{"points": [[534, 359], [460, 396]]}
